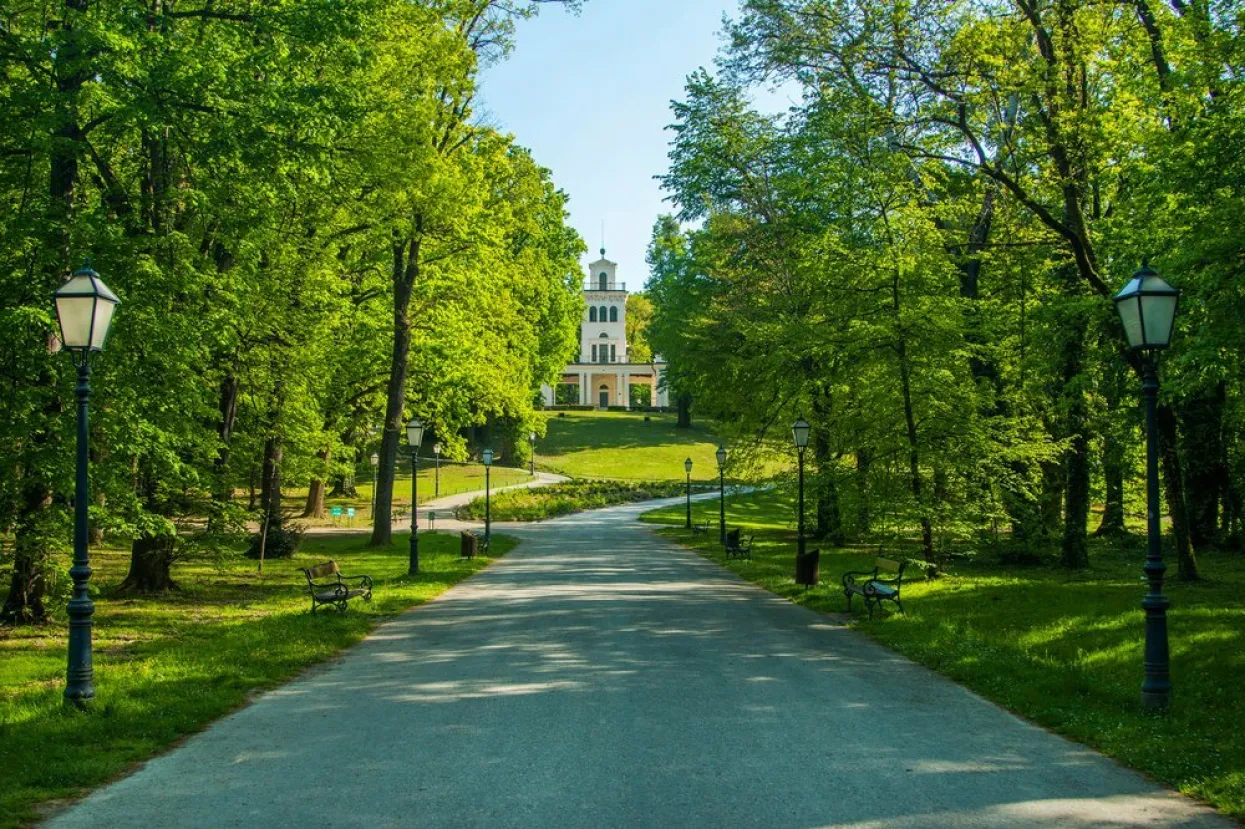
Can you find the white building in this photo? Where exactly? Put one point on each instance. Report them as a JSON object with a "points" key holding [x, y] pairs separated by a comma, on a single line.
{"points": [[604, 374]]}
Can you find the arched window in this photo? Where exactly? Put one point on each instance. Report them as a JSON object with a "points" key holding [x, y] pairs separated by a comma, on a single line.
{"points": [[613, 313], [604, 280], [601, 315], [592, 314]]}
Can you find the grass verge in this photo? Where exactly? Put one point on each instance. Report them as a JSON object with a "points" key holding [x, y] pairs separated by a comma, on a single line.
{"points": [[1062, 649], [167, 666], [565, 498], [624, 445]]}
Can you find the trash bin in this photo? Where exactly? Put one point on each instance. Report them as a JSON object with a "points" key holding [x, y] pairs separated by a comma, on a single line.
{"points": [[470, 543], [806, 568]]}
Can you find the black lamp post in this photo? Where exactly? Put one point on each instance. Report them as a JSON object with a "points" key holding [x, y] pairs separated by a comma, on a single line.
{"points": [[375, 461], [436, 484], [1147, 307], [531, 439], [687, 467], [800, 430], [414, 437], [84, 309], [487, 457], [721, 453]]}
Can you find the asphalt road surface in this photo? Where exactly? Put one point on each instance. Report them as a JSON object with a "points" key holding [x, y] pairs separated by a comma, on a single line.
{"points": [[599, 676]]}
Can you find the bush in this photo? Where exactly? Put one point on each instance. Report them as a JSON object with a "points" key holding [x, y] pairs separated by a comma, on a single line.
{"points": [[283, 541], [562, 499]]}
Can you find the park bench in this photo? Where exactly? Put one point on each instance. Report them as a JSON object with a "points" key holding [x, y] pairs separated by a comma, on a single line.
{"points": [[873, 588], [336, 591], [472, 543], [702, 528], [737, 549]]}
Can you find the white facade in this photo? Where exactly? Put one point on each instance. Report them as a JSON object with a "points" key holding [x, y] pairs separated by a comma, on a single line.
{"points": [[603, 373]]}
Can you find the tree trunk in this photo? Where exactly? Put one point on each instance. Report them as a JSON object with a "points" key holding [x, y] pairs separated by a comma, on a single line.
{"points": [[405, 270], [151, 558], [683, 405], [24, 604], [1173, 489], [228, 408], [864, 512], [344, 485], [1201, 421], [315, 492], [1051, 501], [914, 461], [1074, 548], [272, 518], [1112, 525]]}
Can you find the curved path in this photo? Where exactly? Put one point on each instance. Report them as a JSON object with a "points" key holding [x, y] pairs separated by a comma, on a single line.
{"points": [[599, 676]]}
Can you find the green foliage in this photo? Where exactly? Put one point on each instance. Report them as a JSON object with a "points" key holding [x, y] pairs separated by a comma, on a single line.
{"points": [[264, 187], [918, 258]]}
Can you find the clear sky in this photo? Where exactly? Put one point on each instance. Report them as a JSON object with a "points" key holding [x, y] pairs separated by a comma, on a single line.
{"points": [[590, 95]]}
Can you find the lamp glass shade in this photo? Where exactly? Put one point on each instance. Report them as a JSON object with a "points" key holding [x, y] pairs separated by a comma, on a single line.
{"points": [[687, 466], [375, 459], [415, 432], [531, 437], [84, 309], [1147, 308], [800, 430], [721, 453], [487, 457], [436, 448]]}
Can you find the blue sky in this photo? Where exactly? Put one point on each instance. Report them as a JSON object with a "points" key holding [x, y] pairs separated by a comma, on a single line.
{"points": [[590, 95]]}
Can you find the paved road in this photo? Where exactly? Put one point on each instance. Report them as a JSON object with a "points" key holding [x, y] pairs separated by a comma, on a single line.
{"points": [[600, 677]]}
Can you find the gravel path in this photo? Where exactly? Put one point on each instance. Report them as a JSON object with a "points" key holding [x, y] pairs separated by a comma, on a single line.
{"points": [[599, 676]]}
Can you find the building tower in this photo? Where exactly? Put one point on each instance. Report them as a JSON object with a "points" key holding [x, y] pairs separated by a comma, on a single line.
{"points": [[603, 374]]}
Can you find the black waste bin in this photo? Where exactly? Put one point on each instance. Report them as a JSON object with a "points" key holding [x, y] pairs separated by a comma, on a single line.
{"points": [[807, 567], [470, 543]]}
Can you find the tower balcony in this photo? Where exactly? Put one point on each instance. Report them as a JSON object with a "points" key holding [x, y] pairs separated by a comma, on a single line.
{"points": [[604, 285]]}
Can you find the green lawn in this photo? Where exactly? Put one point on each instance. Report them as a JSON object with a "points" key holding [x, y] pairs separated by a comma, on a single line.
{"points": [[455, 479], [1062, 649], [166, 667], [622, 445]]}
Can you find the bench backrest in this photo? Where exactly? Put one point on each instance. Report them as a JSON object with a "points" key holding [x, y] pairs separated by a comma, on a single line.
{"points": [[896, 567], [732, 538], [328, 568]]}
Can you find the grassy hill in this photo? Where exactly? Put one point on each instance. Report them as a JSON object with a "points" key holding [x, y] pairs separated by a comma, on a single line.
{"points": [[623, 445]]}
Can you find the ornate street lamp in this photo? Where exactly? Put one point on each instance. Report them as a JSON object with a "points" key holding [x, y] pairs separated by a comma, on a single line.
{"points": [[414, 437], [436, 486], [1147, 308], [84, 309], [487, 458], [721, 453], [687, 468], [799, 431], [531, 439], [375, 461]]}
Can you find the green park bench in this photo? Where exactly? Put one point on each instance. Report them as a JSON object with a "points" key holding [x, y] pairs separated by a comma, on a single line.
{"points": [[874, 589], [736, 548], [335, 592]]}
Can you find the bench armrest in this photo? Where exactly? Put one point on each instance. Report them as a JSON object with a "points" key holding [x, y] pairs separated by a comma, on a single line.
{"points": [[850, 578], [363, 580]]}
